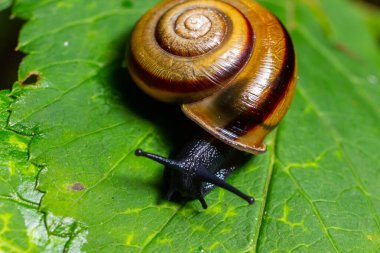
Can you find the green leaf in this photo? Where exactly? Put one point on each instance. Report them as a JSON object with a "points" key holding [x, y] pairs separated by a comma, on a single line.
{"points": [[23, 228], [5, 4], [82, 118], [372, 17]]}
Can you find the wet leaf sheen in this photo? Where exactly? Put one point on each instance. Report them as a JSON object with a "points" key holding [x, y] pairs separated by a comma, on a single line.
{"points": [[81, 119]]}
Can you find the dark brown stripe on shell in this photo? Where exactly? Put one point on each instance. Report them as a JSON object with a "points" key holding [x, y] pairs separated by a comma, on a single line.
{"points": [[254, 117], [169, 85], [202, 83]]}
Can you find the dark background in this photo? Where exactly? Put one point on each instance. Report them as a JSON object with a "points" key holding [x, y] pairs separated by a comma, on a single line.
{"points": [[9, 57]]}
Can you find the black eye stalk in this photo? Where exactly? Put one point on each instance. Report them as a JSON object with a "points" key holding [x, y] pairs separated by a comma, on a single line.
{"points": [[192, 178]]}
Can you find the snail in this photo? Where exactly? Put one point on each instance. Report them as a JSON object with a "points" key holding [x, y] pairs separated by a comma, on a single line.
{"points": [[232, 67]]}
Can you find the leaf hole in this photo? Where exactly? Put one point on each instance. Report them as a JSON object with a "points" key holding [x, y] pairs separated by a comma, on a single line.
{"points": [[31, 79]]}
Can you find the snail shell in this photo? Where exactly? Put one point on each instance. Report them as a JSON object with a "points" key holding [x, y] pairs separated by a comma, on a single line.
{"points": [[231, 64]]}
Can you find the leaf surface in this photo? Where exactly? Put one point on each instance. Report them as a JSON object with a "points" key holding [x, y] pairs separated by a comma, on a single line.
{"points": [[316, 187], [5, 4], [23, 228]]}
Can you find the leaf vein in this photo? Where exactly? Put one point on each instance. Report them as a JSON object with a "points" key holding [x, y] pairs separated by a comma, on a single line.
{"points": [[353, 81], [113, 167], [266, 192], [161, 229], [315, 211], [330, 128], [89, 20]]}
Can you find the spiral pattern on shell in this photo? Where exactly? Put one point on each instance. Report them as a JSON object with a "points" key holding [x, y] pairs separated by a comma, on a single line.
{"points": [[194, 32], [191, 48], [230, 62]]}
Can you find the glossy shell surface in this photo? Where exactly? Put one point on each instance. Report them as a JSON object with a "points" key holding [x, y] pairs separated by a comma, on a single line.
{"points": [[231, 64]]}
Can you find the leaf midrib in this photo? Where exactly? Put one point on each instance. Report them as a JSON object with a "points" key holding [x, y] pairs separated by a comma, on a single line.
{"points": [[268, 183]]}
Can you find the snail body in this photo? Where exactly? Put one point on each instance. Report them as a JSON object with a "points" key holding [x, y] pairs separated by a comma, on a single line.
{"points": [[201, 164], [230, 64]]}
